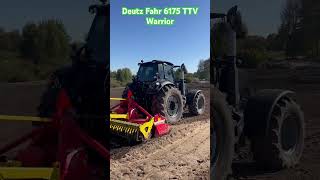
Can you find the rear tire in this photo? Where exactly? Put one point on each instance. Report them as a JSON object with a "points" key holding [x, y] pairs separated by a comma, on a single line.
{"points": [[197, 106], [222, 137], [168, 103], [283, 147]]}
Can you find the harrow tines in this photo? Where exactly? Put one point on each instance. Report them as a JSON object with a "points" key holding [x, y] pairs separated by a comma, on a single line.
{"points": [[125, 129]]}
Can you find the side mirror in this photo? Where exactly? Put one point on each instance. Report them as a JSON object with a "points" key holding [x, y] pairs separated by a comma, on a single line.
{"points": [[184, 69]]}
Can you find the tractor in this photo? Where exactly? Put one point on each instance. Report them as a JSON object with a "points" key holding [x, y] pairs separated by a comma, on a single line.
{"points": [[268, 120], [156, 88]]}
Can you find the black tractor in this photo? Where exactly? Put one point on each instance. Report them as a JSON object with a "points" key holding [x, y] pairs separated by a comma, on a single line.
{"points": [[156, 88], [269, 120]]}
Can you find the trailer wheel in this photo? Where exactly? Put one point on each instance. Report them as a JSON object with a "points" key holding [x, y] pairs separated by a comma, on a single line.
{"points": [[222, 137], [197, 105], [168, 103], [283, 146]]}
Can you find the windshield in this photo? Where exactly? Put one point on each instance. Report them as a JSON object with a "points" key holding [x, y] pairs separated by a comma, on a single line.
{"points": [[147, 72], [97, 38]]}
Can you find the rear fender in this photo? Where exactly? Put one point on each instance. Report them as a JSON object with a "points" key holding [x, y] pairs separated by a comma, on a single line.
{"points": [[258, 111], [165, 83]]}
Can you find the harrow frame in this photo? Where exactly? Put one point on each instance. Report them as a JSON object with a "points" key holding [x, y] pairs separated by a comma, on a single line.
{"points": [[128, 118]]}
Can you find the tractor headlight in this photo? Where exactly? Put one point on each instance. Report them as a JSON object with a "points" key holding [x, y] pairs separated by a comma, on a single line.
{"points": [[157, 83]]}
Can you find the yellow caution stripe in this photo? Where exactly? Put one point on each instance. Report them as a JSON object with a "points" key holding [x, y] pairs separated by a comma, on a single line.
{"points": [[23, 118], [118, 116], [28, 173], [118, 99]]}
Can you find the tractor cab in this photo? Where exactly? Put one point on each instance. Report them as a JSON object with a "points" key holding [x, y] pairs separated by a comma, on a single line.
{"points": [[155, 71]]}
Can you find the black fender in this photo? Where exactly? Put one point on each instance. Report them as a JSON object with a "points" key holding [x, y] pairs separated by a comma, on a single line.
{"points": [[258, 111], [161, 85], [192, 94]]}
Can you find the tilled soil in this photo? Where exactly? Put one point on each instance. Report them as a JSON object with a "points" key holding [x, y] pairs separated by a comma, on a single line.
{"points": [[182, 154]]}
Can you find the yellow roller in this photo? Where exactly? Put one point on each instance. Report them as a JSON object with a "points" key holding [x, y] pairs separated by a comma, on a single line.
{"points": [[128, 130]]}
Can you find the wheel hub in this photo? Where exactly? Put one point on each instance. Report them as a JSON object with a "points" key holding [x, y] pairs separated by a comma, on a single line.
{"points": [[173, 106]]}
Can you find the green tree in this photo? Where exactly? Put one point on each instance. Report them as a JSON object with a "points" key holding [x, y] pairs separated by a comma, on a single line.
{"points": [[113, 74], [203, 72], [177, 74], [124, 75], [291, 25], [47, 40], [30, 41], [311, 27], [10, 41]]}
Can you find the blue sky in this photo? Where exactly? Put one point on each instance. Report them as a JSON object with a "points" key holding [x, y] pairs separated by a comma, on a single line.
{"points": [[261, 16], [187, 41], [74, 14], [132, 40]]}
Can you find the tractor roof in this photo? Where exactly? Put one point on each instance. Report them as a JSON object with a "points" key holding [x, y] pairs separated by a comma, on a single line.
{"points": [[158, 62]]}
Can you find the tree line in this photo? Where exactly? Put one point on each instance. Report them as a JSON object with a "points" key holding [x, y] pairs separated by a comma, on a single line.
{"points": [[37, 41], [33, 52], [297, 36]]}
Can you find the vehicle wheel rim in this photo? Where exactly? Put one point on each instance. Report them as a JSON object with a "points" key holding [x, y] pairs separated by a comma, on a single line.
{"points": [[200, 104], [290, 133], [173, 106]]}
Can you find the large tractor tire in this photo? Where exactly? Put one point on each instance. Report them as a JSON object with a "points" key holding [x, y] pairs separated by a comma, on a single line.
{"points": [[283, 146], [222, 137], [196, 103], [168, 103]]}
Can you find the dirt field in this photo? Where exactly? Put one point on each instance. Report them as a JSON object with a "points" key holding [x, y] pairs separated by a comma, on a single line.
{"points": [[183, 154]]}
